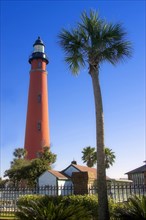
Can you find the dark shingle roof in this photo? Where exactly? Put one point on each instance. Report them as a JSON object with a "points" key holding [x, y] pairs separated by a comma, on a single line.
{"points": [[141, 169]]}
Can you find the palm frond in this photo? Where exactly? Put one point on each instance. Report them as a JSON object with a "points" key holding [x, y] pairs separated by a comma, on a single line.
{"points": [[135, 208], [137, 205], [116, 52], [74, 62], [89, 156], [90, 28], [109, 157], [71, 43], [94, 40], [113, 32]]}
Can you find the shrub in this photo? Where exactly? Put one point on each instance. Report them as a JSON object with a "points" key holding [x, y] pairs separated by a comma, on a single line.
{"points": [[89, 202], [24, 200], [133, 209], [77, 207], [48, 210], [112, 209]]}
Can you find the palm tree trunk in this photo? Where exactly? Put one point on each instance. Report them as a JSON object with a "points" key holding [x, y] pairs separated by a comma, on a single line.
{"points": [[103, 213]]}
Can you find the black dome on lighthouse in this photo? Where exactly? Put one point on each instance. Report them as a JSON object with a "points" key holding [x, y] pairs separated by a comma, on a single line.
{"points": [[38, 42]]}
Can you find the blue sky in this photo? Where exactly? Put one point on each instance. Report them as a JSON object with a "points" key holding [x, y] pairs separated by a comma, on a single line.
{"points": [[71, 104]]}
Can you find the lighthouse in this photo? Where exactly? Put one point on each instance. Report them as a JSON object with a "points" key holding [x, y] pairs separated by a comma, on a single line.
{"points": [[37, 121]]}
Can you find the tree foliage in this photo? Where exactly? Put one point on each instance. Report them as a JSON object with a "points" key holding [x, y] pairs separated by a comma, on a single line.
{"points": [[3, 182], [19, 153], [133, 209], [90, 156], [25, 172], [94, 41], [109, 157]]}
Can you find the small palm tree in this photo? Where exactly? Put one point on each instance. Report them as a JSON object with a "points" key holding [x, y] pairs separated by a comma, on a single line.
{"points": [[93, 42], [109, 157], [19, 153], [89, 156], [50, 211]]}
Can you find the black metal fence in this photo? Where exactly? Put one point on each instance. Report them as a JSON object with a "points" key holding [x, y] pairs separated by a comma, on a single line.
{"points": [[117, 192]]}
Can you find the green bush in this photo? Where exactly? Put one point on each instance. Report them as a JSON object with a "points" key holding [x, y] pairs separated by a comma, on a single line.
{"points": [[133, 209], [78, 207], [112, 209], [24, 200], [89, 202], [49, 208]]}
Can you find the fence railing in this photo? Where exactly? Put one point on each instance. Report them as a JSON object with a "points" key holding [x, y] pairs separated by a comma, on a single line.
{"points": [[121, 192], [117, 192]]}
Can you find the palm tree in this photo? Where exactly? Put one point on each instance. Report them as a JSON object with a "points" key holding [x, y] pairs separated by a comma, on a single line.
{"points": [[19, 153], [89, 156], [92, 42], [109, 157]]}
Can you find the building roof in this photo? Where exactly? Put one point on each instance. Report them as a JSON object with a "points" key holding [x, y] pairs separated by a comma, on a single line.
{"points": [[124, 180], [85, 169], [141, 169], [58, 174]]}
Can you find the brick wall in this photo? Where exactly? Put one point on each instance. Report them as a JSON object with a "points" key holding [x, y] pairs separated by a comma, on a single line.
{"points": [[81, 181]]}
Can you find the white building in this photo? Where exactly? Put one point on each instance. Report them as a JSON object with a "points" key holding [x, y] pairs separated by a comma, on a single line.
{"points": [[62, 178], [55, 182], [79, 179], [61, 183]]}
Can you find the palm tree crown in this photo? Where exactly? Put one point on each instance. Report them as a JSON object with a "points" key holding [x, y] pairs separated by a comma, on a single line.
{"points": [[94, 41], [89, 156], [19, 153], [109, 157]]}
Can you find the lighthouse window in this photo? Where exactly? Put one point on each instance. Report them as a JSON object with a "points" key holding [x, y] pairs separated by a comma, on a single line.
{"points": [[39, 98], [39, 126], [39, 64], [39, 48]]}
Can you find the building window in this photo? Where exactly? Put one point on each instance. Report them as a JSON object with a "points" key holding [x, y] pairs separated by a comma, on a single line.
{"points": [[39, 64], [39, 98], [39, 126]]}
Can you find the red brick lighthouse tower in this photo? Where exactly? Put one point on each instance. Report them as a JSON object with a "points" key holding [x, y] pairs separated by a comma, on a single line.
{"points": [[37, 125]]}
